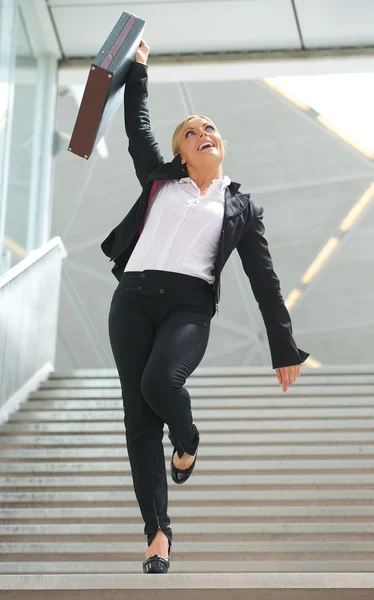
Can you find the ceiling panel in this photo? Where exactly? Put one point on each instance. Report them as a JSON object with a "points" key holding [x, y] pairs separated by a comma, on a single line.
{"points": [[138, 3], [331, 23], [173, 27]]}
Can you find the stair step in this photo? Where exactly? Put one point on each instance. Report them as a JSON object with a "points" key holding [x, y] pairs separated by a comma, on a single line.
{"points": [[201, 549], [221, 391], [235, 579], [288, 415], [224, 425], [196, 529], [285, 479], [310, 498], [219, 372], [296, 452], [269, 379], [215, 464], [304, 402], [265, 437], [315, 567]]}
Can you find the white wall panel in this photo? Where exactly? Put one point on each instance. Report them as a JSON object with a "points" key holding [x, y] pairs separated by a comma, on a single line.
{"points": [[331, 23], [173, 27]]}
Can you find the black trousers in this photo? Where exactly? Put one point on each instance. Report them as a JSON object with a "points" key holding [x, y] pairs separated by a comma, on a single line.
{"points": [[159, 325]]}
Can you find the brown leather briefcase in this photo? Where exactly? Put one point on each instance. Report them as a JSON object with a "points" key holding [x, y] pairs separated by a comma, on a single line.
{"points": [[103, 93]]}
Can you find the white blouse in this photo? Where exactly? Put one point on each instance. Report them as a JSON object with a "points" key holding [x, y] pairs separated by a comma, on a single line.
{"points": [[182, 229]]}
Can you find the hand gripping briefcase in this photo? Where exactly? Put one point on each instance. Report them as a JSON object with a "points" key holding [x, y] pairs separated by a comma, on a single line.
{"points": [[103, 93]]}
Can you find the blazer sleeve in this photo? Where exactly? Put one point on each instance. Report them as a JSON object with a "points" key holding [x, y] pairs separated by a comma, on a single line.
{"points": [[143, 146], [257, 263]]}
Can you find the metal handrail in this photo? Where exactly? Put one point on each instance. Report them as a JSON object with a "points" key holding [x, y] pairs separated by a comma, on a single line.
{"points": [[29, 302], [32, 258]]}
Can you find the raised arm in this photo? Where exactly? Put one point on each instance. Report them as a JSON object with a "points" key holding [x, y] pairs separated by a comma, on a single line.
{"points": [[258, 265], [143, 146]]}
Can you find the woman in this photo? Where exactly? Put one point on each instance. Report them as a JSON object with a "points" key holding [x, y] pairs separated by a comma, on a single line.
{"points": [[169, 252]]}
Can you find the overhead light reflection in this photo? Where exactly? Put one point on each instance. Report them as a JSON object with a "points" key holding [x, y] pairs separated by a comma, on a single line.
{"points": [[318, 262], [358, 208], [345, 136], [292, 298], [289, 95], [312, 362]]}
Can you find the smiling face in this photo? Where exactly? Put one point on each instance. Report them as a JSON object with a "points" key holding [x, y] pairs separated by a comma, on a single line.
{"points": [[196, 132]]}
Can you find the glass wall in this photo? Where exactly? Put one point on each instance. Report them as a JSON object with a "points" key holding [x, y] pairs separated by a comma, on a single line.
{"points": [[7, 59], [21, 146], [27, 95]]}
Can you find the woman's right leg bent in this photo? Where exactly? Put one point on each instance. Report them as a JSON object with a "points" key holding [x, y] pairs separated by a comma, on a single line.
{"points": [[131, 334]]}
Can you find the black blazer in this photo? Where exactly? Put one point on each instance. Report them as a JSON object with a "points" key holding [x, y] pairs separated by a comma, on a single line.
{"points": [[242, 226]]}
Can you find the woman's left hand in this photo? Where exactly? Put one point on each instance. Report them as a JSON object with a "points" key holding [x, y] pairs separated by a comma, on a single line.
{"points": [[288, 375]]}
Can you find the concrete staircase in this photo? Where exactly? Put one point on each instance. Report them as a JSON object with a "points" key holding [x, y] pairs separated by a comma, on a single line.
{"points": [[283, 490]]}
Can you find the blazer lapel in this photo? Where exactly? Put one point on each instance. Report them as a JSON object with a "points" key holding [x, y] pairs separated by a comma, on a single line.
{"points": [[235, 202]]}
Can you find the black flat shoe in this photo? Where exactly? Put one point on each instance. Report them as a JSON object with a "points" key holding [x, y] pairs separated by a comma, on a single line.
{"points": [[156, 563], [181, 475]]}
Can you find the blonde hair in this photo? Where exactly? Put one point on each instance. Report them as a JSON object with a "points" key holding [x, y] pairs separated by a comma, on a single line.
{"points": [[179, 128]]}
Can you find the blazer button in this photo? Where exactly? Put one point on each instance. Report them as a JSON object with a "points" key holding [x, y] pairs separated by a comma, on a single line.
{"points": [[139, 287], [161, 291]]}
